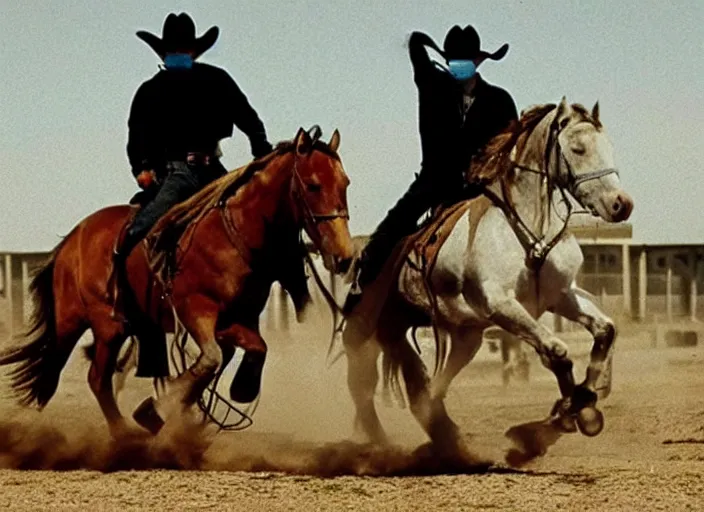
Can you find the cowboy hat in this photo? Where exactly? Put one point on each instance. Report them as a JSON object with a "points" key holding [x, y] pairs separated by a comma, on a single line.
{"points": [[179, 35], [463, 43]]}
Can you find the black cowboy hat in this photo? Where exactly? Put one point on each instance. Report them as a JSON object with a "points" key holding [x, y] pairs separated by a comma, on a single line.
{"points": [[463, 43], [179, 34]]}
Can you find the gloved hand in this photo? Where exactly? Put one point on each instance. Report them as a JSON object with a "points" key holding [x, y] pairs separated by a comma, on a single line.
{"points": [[424, 39], [146, 179]]}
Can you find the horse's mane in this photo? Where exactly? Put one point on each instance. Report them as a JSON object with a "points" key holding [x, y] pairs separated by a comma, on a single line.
{"points": [[494, 160], [174, 222], [171, 225]]}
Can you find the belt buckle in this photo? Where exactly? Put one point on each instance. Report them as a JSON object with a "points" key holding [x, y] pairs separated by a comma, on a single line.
{"points": [[197, 158]]}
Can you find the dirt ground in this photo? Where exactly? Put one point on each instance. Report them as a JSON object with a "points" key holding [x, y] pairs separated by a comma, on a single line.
{"points": [[302, 453]]}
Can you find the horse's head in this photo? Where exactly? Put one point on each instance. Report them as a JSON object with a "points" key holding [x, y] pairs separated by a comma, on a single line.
{"points": [[319, 189], [584, 162]]}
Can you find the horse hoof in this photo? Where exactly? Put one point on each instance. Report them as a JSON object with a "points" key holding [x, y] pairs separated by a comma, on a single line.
{"points": [[590, 421], [147, 417]]}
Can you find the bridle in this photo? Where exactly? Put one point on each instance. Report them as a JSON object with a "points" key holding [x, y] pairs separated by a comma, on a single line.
{"points": [[312, 219], [568, 177], [537, 249]]}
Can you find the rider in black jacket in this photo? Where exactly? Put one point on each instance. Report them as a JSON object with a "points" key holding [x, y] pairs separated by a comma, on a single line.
{"points": [[458, 114], [176, 122]]}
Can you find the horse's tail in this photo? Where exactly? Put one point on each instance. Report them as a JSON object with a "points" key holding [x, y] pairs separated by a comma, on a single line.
{"points": [[391, 374], [40, 361], [391, 379]]}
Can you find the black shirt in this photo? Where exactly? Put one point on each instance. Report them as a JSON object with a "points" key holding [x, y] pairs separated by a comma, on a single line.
{"points": [[178, 111], [449, 137]]}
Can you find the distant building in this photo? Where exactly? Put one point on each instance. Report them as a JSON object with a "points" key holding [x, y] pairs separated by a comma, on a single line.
{"points": [[640, 281]]}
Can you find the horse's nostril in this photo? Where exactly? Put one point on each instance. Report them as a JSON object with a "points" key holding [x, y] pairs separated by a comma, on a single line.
{"points": [[621, 206]]}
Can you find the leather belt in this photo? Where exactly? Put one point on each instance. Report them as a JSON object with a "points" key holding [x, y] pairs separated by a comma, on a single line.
{"points": [[199, 158]]}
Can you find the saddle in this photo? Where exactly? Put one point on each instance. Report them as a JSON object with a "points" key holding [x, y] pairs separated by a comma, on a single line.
{"points": [[420, 250], [432, 234]]}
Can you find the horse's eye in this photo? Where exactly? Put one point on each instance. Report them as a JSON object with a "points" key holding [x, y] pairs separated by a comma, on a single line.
{"points": [[578, 150], [313, 187]]}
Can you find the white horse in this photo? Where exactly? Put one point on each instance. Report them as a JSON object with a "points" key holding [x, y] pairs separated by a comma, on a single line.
{"points": [[505, 262]]}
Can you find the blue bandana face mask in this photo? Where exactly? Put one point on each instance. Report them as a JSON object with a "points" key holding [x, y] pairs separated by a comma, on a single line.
{"points": [[178, 61], [462, 69]]}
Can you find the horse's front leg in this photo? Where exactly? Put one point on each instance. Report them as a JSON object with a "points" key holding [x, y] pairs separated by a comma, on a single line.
{"points": [[574, 409], [199, 316], [509, 314], [575, 305], [246, 383], [576, 403]]}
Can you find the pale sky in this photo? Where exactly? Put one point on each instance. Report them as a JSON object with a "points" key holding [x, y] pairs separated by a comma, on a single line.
{"points": [[70, 69]]}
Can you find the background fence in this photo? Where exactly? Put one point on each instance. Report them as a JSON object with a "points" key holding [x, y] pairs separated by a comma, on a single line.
{"points": [[660, 284]]}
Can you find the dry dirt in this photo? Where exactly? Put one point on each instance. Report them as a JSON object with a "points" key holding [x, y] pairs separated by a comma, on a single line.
{"points": [[302, 453]]}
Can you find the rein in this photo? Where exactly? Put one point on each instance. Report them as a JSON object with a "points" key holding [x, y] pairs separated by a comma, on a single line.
{"points": [[311, 220], [335, 309]]}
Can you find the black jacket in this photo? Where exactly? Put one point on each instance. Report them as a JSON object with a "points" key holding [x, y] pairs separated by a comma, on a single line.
{"points": [[176, 112], [449, 139]]}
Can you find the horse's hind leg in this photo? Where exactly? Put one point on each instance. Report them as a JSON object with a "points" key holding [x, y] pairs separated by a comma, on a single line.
{"points": [[362, 379], [124, 365], [108, 339], [429, 411], [465, 342]]}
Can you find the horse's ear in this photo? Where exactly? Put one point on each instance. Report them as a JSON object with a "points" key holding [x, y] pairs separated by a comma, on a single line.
{"points": [[334, 141], [562, 116], [595, 112], [303, 142]]}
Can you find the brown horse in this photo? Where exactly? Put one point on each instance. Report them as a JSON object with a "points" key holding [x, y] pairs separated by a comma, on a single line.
{"points": [[210, 260]]}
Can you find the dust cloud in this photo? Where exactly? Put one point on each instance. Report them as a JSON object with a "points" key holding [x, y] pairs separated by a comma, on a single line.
{"points": [[303, 425]]}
